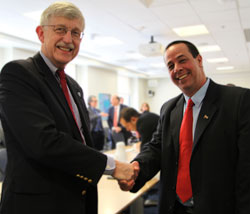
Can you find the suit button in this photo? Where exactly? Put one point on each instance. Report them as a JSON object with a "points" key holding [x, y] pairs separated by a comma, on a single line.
{"points": [[90, 180], [85, 178], [84, 192], [78, 175], [82, 177]]}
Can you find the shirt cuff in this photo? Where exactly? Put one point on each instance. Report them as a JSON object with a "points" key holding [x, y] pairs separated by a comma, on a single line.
{"points": [[110, 167]]}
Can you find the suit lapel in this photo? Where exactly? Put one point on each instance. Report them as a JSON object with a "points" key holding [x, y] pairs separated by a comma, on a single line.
{"points": [[52, 83], [175, 123], [82, 109], [55, 88], [207, 111]]}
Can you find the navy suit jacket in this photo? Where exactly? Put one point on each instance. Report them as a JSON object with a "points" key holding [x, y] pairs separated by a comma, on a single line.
{"points": [[49, 169], [111, 116], [220, 161]]}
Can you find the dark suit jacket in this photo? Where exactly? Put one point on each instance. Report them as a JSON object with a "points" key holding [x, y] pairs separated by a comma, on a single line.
{"points": [[49, 169], [146, 125], [111, 116], [220, 162], [126, 134], [94, 118]]}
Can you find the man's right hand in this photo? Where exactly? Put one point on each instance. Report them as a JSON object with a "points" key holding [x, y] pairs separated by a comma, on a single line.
{"points": [[124, 171], [127, 185]]}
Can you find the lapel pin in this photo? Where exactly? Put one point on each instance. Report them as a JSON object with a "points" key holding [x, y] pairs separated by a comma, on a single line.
{"points": [[205, 117], [79, 94]]}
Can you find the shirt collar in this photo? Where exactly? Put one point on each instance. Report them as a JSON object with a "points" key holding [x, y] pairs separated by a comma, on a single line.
{"points": [[49, 63], [198, 97]]}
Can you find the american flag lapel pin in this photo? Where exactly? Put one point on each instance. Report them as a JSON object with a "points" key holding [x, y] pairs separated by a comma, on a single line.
{"points": [[205, 117]]}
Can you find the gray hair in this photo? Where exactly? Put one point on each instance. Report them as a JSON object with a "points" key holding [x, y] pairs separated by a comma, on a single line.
{"points": [[62, 9], [90, 99]]}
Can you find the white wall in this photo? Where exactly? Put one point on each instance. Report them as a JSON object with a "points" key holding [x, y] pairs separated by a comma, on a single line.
{"points": [[239, 79], [101, 80]]}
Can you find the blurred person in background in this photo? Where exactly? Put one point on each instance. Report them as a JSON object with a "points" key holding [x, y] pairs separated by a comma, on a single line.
{"points": [[96, 127], [145, 107]]}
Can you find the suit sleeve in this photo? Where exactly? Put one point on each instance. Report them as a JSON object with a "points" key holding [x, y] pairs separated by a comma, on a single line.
{"points": [[150, 157], [110, 118], [29, 116]]}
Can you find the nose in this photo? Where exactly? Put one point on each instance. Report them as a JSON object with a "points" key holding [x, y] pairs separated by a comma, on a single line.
{"points": [[178, 68], [67, 38]]}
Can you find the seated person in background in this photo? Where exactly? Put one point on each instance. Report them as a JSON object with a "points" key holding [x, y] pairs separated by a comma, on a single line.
{"points": [[96, 128], [145, 124], [145, 107]]}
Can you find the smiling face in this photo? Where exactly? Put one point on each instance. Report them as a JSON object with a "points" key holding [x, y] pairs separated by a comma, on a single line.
{"points": [[60, 50], [185, 71]]}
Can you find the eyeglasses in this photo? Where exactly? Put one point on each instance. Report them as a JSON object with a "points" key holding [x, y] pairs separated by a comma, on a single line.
{"points": [[62, 30]]}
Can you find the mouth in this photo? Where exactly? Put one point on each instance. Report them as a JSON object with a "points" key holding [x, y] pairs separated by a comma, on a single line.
{"points": [[67, 49], [182, 76]]}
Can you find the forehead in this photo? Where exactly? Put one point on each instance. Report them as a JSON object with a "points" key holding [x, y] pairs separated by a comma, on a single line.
{"points": [[124, 121], [72, 23], [176, 51]]}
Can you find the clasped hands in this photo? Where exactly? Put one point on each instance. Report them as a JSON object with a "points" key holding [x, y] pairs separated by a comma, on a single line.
{"points": [[126, 174]]}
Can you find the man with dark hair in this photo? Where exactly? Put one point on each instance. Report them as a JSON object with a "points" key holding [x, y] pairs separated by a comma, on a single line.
{"points": [[145, 124], [202, 142]]}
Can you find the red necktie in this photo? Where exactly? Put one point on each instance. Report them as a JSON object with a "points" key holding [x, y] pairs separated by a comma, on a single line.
{"points": [[183, 186], [115, 117], [63, 82]]}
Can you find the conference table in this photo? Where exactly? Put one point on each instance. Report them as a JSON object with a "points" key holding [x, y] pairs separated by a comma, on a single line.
{"points": [[111, 200]]}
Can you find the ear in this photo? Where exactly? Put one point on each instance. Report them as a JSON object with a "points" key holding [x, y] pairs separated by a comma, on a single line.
{"points": [[133, 119], [40, 33], [199, 58]]}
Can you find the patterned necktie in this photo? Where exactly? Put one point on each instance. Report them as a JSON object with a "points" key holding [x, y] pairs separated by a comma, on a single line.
{"points": [[63, 83], [183, 186]]}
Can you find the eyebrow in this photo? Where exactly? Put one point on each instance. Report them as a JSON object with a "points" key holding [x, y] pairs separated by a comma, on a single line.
{"points": [[178, 57]]}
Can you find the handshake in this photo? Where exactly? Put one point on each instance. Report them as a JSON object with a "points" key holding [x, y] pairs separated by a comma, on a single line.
{"points": [[126, 174]]}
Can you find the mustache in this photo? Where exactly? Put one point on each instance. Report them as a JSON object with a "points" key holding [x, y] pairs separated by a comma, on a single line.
{"points": [[62, 44]]}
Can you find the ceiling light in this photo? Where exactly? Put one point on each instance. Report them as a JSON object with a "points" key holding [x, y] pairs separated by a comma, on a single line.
{"points": [[225, 68], [191, 30], [217, 60], [209, 48]]}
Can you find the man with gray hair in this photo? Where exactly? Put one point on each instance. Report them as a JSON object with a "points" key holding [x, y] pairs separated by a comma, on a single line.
{"points": [[52, 167], [96, 127]]}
